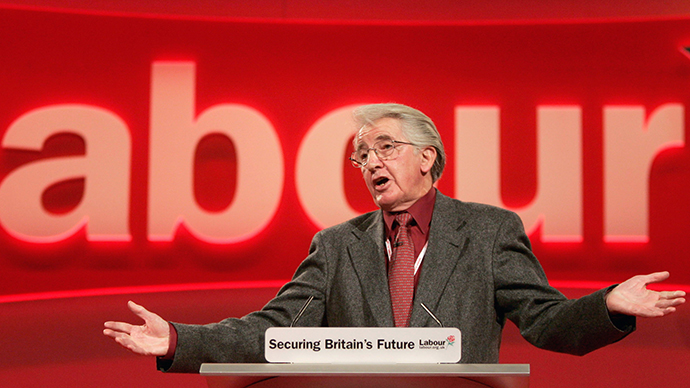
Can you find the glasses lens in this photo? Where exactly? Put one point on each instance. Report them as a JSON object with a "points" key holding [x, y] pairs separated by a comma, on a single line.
{"points": [[384, 149], [361, 156]]}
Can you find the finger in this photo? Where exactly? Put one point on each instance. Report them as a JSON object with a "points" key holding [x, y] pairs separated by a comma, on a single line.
{"points": [[122, 327], [121, 338], [671, 294], [112, 333], [663, 303], [668, 310], [127, 342], [118, 336]]}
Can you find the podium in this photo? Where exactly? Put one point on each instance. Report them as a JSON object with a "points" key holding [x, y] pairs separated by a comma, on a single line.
{"points": [[366, 375]]}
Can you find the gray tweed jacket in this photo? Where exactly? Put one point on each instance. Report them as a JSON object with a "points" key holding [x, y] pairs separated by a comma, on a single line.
{"points": [[478, 271]]}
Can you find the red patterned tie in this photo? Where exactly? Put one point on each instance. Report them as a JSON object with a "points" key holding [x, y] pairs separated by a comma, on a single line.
{"points": [[401, 274]]}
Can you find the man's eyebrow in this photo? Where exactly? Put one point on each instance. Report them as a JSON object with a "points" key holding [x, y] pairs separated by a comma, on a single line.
{"points": [[383, 136], [360, 145]]}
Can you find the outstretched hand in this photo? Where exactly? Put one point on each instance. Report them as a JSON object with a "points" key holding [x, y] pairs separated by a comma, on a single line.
{"points": [[150, 339], [633, 298]]}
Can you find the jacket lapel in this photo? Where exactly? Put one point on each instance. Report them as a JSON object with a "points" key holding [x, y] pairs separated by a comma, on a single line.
{"points": [[446, 244], [368, 258]]}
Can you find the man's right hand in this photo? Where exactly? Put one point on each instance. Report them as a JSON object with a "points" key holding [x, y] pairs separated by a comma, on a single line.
{"points": [[150, 339]]}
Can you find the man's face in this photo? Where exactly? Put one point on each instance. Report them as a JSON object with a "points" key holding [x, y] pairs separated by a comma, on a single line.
{"points": [[397, 183]]}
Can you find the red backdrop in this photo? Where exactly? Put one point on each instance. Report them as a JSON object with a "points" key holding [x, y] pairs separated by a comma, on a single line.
{"points": [[294, 74]]}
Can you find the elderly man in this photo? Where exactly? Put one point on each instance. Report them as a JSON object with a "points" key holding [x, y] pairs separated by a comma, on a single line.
{"points": [[469, 264]]}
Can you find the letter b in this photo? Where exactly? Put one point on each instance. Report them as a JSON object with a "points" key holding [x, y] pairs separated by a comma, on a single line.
{"points": [[175, 133]]}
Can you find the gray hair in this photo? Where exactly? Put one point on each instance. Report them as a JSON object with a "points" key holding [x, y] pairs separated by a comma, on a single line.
{"points": [[416, 127]]}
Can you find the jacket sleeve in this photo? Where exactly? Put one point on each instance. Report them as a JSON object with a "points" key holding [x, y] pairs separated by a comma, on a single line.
{"points": [[545, 317], [236, 340]]}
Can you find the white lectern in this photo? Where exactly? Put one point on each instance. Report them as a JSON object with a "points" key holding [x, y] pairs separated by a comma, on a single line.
{"points": [[366, 375]]}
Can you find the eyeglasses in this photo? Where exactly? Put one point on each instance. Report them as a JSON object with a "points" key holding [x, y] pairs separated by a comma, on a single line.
{"points": [[384, 150]]}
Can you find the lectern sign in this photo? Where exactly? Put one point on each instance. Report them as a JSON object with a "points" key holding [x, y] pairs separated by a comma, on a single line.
{"points": [[363, 345]]}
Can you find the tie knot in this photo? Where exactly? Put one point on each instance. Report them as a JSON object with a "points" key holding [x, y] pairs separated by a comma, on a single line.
{"points": [[403, 218]]}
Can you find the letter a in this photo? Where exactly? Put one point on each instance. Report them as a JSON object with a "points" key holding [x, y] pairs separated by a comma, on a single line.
{"points": [[104, 208]]}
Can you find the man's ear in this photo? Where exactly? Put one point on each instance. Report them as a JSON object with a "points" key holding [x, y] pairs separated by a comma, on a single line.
{"points": [[428, 156]]}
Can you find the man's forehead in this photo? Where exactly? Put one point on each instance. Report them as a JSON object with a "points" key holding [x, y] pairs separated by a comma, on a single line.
{"points": [[383, 129], [364, 137]]}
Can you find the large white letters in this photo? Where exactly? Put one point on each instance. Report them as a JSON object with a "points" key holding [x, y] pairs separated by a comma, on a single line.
{"points": [[557, 205], [105, 167], [175, 133], [320, 191], [630, 147]]}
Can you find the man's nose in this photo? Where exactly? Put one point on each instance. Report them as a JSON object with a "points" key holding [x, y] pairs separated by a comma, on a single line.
{"points": [[373, 160]]}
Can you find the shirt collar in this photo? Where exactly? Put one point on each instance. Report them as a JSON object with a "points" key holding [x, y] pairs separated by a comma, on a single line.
{"points": [[420, 211]]}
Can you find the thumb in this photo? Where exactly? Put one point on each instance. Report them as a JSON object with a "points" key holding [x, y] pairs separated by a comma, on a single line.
{"points": [[140, 311], [656, 277]]}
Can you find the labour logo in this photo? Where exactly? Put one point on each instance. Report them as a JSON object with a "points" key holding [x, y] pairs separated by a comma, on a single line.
{"points": [[451, 340]]}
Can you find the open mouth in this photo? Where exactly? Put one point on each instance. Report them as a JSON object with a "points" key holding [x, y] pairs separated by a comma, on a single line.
{"points": [[379, 182]]}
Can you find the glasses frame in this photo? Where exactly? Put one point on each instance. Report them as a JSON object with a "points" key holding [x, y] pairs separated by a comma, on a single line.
{"points": [[358, 164]]}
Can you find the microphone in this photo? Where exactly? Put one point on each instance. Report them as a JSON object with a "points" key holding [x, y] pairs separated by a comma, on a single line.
{"points": [[432, 315], [302, 310]]}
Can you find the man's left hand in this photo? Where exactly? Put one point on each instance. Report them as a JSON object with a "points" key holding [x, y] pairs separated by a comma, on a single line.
{"points": [[633, 298]]}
